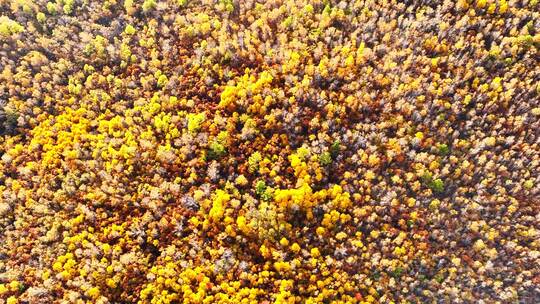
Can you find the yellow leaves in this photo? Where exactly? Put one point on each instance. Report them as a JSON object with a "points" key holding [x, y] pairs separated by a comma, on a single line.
{"points": [[292, 63], [106, 248], [399, 251], [144, 133], [9, 27], [373, 160], [228, 96], [369, 175], [491, 8], [431, 43], [495, 51], [324, 63], [462, 5], [45, 275], [503, 6], [490, 141], [232, 95], [467, 100], [162, 122], [351, 101], [57, 266], [295, 247], [195, 121], [265, 252], [349, 62], [16, 186], [411, 202], [335, 191], [357, 243], [14, 285], [496, 84], [109, 269], [394, 145], [93, 292], [302, 153], [301, 197], [221, 198], [315, 252], [69, 265], [492, 234], [16, 150], [96, 46], [481, 3], [3, 289], [295, 161], [241, 180], [111, 283], [77, 220], [434, 165], [242, 224], [360, 50], [282, 266], [331, 218], [479, 245], [298, 164], [12, 300], [125, 52], [340, 236], [265, 78]]}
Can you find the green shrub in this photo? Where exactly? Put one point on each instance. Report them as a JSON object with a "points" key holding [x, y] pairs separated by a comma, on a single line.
{"points": [[443, 149], [325, 158]]}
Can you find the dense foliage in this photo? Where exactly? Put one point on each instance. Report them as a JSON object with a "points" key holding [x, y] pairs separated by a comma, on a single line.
{"points": [[283, 151]]}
